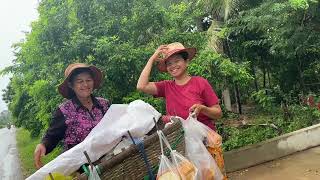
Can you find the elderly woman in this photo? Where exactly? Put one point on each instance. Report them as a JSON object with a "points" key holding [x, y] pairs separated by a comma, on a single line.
{"points": [[185, 93], [79, 114]]}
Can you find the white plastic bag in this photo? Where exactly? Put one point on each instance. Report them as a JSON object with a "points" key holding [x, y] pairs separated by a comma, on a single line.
{"points": [[180, 165], [137, 117], [186, 169], [198, 154], [196, 134], [196, 129], [166, 169]]}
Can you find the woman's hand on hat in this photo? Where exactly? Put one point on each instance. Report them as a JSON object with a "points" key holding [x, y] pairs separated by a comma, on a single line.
{"points": [[159, 53], [196, 109]]}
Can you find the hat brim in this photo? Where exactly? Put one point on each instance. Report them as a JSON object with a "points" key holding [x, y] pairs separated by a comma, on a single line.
{"points": [[64, 88], [162, 64]]}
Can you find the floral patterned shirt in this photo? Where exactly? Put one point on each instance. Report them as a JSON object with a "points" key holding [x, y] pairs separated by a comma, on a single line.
{"points": [[72, 122]]}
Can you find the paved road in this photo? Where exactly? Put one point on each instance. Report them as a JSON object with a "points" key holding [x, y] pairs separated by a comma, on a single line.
{"points": [[303, 165], [9, 159]]}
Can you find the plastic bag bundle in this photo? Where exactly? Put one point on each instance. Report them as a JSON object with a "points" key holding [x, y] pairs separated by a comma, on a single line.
{"points": [[196, 135], [198, 154], [180, 167], [211, 139], [217, 154], [166, 170], [186, 169], [198, 130]]}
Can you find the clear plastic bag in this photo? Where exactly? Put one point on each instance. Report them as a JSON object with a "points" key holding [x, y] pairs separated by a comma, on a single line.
{"points": [[166, 169], [186, 169], [198, 136], [198, 154], [211, 139], [196, 129], [180, 164]]}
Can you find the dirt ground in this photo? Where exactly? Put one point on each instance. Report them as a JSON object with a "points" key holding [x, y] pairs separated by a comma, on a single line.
{"points": [[303, 165]]}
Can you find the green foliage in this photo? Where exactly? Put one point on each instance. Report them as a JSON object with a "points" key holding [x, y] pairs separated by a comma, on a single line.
{"points": [[237, 138], [301, 117], [279, 37], [266, 101], [218, 69], [300, 4]]}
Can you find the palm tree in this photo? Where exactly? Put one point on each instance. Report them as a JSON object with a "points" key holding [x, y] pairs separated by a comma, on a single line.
{"points": [[221, 11]]}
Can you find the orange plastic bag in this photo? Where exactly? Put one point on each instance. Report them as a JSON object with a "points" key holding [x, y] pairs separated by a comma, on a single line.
{"points": [[217, 154]]}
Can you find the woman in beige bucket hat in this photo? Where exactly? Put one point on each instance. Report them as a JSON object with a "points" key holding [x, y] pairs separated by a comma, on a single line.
{"points": [[184, 93], [79, 114]]}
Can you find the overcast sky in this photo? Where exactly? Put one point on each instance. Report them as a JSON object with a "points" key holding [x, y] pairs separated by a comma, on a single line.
{"points": [[15, 18]]}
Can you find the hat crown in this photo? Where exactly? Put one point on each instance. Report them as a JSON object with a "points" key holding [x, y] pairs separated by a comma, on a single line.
{"points": [[72, 67], [174, 46]]}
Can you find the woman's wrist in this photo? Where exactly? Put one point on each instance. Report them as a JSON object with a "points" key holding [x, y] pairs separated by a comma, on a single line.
{"points": [[153, 58]]}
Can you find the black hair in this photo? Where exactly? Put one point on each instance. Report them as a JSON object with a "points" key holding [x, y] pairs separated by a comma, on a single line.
{"points": [[78, 71], [71, 93], [184, 55]]}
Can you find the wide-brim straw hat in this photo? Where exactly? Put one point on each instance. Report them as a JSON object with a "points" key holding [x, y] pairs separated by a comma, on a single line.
{"points": [[175, 48], [64, 88]]}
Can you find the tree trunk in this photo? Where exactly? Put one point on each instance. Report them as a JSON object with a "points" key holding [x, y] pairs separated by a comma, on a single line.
{"points": [[301, 80], [269, 81], [255, 78], [264, 77], [227, 99], [237, 94]]}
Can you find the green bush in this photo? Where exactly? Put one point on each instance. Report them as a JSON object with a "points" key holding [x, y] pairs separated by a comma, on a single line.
{"points": [[300, 117], [237, 137]]}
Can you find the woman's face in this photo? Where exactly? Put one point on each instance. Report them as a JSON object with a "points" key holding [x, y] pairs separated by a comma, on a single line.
{"points": [[176, 65], [83, 85]]}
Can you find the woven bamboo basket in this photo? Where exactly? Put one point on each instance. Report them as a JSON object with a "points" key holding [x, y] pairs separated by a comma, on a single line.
{"points": [[129, 164]]}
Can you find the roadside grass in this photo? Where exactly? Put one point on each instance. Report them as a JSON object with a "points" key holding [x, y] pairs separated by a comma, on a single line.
{"points": [[261, 125], [26, 146]]}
